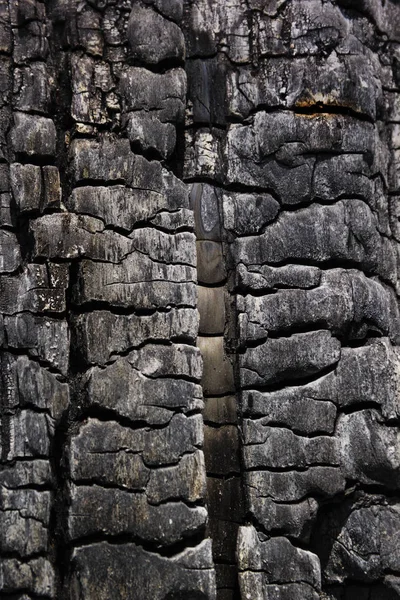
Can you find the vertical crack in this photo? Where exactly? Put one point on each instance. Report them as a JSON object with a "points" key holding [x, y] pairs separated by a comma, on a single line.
{"points": [[60, 109], [217, 342]]}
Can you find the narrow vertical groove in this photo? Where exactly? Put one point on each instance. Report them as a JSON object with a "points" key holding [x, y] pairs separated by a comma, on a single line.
{"points": [[218, 347]]}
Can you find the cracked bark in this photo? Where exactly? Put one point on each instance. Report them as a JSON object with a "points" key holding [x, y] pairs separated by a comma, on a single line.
{"points": [[199, 232]]}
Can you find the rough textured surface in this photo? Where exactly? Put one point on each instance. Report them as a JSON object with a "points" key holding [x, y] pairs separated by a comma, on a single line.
{"points": [[295, 153], [199, 280], [103, 473]]}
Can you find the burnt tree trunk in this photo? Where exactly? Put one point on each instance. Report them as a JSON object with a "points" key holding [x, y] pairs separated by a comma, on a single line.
{"points": [[199, 255]]}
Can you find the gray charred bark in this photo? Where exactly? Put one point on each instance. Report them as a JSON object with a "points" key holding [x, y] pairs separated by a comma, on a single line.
{"points": [[199, 280]]}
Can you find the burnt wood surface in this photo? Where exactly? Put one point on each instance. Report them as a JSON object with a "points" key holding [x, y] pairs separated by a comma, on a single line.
{"points": [[199, 280]]}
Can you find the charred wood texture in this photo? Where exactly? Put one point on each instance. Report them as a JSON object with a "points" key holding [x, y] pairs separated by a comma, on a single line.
{"points": [[199, 280]]}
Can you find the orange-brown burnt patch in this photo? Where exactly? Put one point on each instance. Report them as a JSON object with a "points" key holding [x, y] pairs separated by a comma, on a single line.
{"points": [[315, 106]]}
